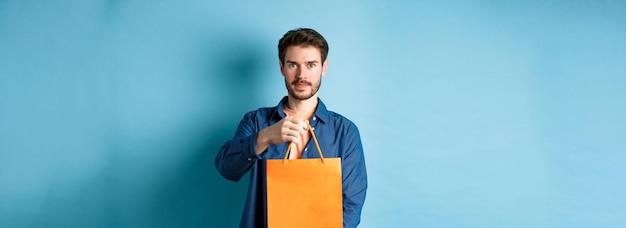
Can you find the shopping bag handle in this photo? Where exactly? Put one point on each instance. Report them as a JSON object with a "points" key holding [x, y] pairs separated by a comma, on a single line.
{"points": [[316, 145]]}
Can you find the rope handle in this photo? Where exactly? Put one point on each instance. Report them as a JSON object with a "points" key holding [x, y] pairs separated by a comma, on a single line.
{"points": [[316, 145]]}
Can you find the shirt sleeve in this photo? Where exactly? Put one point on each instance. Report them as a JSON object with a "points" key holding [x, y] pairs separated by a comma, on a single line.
{"points": [[354, 178], [237, 156]]}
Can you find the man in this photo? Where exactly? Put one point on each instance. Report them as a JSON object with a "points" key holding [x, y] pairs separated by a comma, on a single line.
{"points": [[265, 133]]}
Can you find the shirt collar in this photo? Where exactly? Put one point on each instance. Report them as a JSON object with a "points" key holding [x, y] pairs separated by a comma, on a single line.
{"points": [[320, 112]]}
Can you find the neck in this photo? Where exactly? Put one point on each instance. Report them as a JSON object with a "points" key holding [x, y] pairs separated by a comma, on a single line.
{"points": [[302, 106]]}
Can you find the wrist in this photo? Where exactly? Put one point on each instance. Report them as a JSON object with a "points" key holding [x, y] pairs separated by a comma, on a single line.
{"points": [[261, 143]]}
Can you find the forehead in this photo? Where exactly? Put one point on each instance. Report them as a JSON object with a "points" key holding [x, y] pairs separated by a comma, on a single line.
{"points": [[303, 53]]}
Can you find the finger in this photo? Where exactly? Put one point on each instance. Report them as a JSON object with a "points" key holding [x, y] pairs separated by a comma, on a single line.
{"points": [[297, 125], [293, 120], [302, 124], [291, 138], [304, 128], [305, 125], [292, 128], [292, 135]]}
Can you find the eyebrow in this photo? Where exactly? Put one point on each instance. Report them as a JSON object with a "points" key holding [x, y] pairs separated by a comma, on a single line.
{"points": [[314, 61]]}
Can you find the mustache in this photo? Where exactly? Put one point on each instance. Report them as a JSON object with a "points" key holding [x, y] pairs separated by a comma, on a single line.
{"points": [[302, 82]]}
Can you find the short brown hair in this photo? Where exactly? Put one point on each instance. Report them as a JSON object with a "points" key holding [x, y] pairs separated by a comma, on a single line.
{"points": [[302, 36]]}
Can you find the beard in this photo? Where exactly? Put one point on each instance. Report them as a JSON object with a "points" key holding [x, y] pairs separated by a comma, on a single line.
{"points": [[303, 96]]}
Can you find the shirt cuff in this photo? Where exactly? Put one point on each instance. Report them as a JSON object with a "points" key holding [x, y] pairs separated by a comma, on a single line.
{"points": [[248, 144]]}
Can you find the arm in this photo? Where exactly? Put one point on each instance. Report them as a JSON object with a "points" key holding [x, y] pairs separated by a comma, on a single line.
{"points": [[354, 178], [238, 155]]}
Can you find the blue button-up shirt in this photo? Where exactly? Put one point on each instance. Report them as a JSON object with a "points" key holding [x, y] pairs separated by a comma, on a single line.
{"points": [[337, 136]]}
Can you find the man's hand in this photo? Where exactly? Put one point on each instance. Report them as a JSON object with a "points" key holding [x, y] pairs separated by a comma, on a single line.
{"points": [[289, 129]]}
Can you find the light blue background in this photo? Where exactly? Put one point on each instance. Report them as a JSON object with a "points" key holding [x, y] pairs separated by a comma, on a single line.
{"points": [[472, 113]]}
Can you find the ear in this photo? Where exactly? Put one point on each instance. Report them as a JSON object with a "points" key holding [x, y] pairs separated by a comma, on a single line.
{"points": [[324, 67]]}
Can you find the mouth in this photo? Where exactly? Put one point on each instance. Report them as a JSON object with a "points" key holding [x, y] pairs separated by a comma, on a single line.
{"points": [[300, 85]]}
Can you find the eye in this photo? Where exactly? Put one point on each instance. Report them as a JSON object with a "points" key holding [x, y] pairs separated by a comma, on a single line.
{"points": [[291, 65], [311, 65]]}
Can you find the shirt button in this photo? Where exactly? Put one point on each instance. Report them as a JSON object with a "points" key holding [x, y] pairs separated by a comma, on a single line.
{"points": [[305, 149], [249, 159], [314, 118]]}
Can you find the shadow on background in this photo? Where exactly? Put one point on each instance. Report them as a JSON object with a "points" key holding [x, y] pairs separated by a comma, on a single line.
{"points": [[196, 195]]}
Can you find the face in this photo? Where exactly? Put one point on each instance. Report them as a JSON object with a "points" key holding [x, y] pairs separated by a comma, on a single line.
{"points": [[303, 70]]}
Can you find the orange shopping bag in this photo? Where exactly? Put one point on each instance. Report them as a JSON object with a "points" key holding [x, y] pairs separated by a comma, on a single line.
{"points": [[304, 192]]}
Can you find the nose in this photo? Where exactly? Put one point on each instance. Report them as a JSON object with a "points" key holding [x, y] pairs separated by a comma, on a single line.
{"points": [[300, 73]]}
